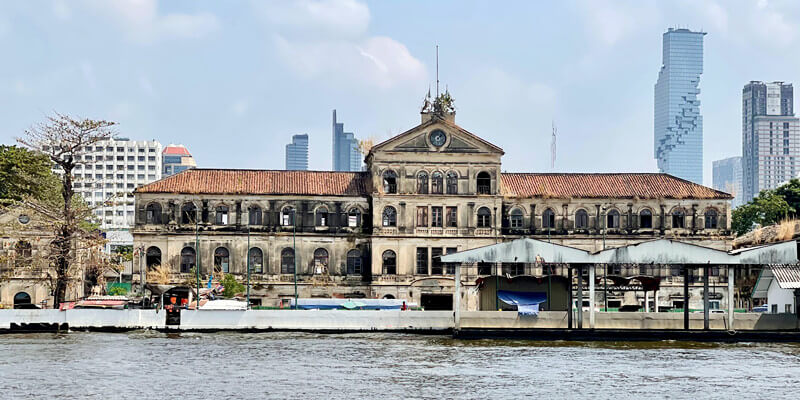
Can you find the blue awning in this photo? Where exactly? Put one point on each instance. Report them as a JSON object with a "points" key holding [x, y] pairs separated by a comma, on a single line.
{"points": [[521, 298]]}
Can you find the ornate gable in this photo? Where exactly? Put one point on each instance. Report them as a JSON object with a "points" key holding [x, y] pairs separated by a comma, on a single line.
{"points": [[437, 135]]}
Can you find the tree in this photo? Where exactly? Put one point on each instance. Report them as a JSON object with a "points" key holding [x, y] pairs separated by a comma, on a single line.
{"points": [[25, 173], [231, 285], [790, 192], [62, 138], [766, 209]]}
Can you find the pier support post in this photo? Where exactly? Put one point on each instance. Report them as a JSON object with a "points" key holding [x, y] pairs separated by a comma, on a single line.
{"points": [[686, 297], [655, 300], [591, 296], [569, 297], [731, 277], [580, 297], [706, 276], [646, 300], [457, 300]]}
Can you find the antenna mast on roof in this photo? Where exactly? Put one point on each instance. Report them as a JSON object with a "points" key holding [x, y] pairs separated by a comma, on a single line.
{"points": [[437, 71], [553, 148]]}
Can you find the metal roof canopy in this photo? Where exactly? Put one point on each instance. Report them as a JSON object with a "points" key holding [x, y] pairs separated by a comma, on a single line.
{"points": [[788, 277], [659, 251]]}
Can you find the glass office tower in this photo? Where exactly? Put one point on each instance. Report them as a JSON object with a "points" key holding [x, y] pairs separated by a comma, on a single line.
{"points": [[297, 153], [346, 154], [678, 136]]}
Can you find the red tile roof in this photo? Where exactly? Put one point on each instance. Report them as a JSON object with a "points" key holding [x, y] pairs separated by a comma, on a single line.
{"points": [[176, 150], [619, 185], [235, 181]]}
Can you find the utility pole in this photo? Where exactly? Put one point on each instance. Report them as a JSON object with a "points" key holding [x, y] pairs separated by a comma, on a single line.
{"points": [[248, 264], [294, 253], [197, 258]]}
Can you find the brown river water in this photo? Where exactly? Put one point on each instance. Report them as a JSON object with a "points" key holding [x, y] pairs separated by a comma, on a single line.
{"points": [[283, 365]]}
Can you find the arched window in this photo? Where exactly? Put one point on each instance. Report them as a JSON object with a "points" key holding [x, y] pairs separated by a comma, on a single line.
{"points": [[21, 299], [354, 262], [437, 183], [256, 260], [548, 219], [187, 259], [23, 254], [287, 216], [581, 219], [711, 219], [389, 216], [153, 213], [390, 182], [484, 217], [678, 218], [254, 215], [515, 219], [188, 213], [422, 182], [484, 183], [321, 216], [452, 182], [612, 219], [354, 217], [320, 261], [389, 263], [153, 257], [221, 215], [287, 261], [222, 260], [645, 219]]}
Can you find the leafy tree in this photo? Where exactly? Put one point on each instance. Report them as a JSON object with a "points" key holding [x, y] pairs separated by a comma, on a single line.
{"points": [[766, 209], [25, 173], [231, 285], [61, 138], [791, 193]]}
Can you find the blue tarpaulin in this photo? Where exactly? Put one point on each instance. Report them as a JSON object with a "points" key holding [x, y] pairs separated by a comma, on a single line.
{"points": [[527, 302]]}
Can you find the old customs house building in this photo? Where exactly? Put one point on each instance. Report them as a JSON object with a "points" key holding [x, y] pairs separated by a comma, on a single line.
{"points": [[432, 190]]}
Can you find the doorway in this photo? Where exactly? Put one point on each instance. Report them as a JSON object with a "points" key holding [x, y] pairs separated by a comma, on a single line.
{"points": [[22, 300], [436, 302]]}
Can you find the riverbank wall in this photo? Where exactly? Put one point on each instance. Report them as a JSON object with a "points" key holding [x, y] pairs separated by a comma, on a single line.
{"points": [[351, 321]]}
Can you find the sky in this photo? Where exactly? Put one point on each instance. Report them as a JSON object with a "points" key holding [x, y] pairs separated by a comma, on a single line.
{"points": [[234, 80]]}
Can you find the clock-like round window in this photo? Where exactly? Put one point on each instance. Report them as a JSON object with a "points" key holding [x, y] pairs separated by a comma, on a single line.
{"points": [[438, 138], [24, 219]]}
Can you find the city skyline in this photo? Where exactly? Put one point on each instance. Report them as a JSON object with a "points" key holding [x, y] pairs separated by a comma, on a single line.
{"points": [[377, 72], [297, 153]]}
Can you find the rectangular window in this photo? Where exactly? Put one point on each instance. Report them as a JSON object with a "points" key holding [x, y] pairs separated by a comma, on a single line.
{"points": [[422, 216], [450, 268], [436, 261], [422, 260], [452, 217], [436, 217]]}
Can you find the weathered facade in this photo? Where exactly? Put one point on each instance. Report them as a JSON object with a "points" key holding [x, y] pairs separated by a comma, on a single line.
{"points": [[432, 190]]}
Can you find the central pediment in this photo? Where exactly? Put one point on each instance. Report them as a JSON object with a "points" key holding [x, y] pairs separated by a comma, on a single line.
{"points": [[437, 135]]}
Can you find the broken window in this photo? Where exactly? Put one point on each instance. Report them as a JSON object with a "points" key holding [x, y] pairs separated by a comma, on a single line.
{"points": [[646, 219], [437, 183], [187, 260], [389, 262], [436, 261], [711, 219], [484, 218], [287, 216], [390, 182], [23, 254], [222, 260], [322, 216], [254, 215], [612, 219], [484, 268], [422, 182], [678, 219], [548, 219], [452, 182], [437, 219], [221, 215], [188, 213], [354, 262], [422, 261], [354, 218], [515, 219], [450, 268], [422, 216], [484, 183], [256, 260], [287, 261], [320, 261], [389, 216], [452, 217], [581, 219], [153, 213], [153, 257]]}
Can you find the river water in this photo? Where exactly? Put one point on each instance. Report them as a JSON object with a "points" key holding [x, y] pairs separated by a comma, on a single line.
{"points": [[151, 365]]}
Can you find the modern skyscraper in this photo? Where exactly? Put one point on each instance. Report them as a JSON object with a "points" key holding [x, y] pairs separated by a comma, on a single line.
{"points": [[346, 155], [678, 144], [297, 153], [176, 158], [770, 137], [728, 178]]}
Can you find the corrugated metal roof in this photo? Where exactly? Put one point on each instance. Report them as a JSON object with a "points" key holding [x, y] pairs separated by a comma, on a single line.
{"points": [[234, 181], [787, 275], [600, 185]]}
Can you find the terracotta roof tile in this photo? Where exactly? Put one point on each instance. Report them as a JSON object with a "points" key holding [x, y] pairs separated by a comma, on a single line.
{"points": [[235, 181], [619, 185]]}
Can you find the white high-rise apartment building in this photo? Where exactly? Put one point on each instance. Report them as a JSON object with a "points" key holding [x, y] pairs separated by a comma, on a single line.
{"points": [[109, 172]]}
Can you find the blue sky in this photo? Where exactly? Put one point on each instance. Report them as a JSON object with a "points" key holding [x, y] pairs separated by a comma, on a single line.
{"points": [[234, 80]]}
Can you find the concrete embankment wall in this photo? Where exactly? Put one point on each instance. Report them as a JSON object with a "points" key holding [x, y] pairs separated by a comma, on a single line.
{"points": [[333, 320]]}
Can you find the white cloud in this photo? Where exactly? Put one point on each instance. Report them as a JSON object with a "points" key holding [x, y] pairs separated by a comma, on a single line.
{"points": [[328, 38], [611, 21], [142, 22]]}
